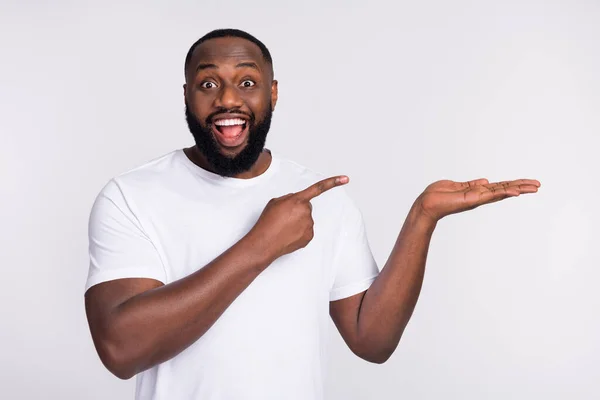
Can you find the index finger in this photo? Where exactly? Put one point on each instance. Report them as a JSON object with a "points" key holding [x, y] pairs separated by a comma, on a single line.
{"points": [[322, 186]]}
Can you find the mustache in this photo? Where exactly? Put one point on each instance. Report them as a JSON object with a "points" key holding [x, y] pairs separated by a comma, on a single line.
{"points": [[229, 111]]}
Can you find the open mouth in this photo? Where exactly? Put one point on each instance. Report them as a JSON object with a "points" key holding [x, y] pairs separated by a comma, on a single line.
{"points": [[230, 132]]}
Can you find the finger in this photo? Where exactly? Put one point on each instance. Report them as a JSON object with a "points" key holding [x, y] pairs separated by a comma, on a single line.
{"points": [[322, 186], [516, 188], [532, 182], [499, 190], [495, 192], [285, 196], [523, 189], [473, 183], [488, 194]]}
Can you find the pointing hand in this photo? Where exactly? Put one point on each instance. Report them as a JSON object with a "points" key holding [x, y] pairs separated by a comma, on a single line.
{"points": [[286, 223]]}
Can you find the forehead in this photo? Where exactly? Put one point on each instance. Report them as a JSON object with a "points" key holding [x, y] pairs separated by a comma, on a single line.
{"points": [[227, 50]]}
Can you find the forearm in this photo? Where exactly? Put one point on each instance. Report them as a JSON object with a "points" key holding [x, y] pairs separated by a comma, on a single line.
{"points": [[388, 304], [157, 324]]}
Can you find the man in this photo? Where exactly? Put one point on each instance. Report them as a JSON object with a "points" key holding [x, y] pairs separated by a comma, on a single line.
{"points": [[214, 269]]}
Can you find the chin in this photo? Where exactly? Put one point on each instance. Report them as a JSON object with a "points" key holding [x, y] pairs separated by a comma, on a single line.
{"points": [[231, 152]]}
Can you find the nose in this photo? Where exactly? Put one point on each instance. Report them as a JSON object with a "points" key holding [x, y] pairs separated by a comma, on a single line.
{"points": [[228, 97]]}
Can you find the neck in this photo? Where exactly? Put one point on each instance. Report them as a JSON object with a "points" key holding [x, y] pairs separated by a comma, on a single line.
{"points": [[259, 167]]}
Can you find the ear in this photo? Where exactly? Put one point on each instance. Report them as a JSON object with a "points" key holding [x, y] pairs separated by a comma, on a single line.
{"points": [[184, 90], [274, 94]]}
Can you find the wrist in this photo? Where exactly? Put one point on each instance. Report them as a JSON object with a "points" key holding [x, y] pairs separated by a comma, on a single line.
{"points": [[259, 248], [420, 218]]}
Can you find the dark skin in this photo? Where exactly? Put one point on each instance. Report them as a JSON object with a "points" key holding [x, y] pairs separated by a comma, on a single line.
{"points": [[220, 76], [138, 323]]}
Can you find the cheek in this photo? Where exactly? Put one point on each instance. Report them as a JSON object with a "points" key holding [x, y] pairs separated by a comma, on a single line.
{"points": [[196, 111], [259, 102], [201, 99], [199, 105]]}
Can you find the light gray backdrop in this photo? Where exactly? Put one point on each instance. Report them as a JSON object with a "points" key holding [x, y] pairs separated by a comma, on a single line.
{"points": [[395, 94]]}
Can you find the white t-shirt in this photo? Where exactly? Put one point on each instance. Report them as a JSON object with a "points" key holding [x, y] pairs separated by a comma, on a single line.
{"points": [[168, 218]]}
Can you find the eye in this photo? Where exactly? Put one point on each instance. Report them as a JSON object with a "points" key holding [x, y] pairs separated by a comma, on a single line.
{"points": [[208, 85], [248, 83]]}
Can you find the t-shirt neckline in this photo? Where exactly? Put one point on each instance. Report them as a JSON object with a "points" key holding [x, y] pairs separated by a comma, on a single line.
{"points": [[229, 181]]}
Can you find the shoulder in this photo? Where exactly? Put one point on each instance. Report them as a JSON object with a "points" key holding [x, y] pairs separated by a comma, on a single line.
{"points": [[142, 178]]}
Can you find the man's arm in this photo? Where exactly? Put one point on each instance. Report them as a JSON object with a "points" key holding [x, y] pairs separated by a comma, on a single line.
{"points": [[138, 323], [372, 322]]}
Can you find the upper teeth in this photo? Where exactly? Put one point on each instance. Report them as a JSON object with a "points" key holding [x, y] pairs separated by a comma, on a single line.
{"points": [[228, 122]]}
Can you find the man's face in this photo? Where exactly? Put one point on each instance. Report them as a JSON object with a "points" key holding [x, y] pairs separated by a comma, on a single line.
{"points": [[229, 96]]}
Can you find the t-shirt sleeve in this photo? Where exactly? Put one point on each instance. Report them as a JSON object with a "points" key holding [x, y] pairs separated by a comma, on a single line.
{"points": [[118, 246], [354, 266]]}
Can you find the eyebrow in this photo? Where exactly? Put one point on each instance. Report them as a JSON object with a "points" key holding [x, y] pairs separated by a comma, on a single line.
{"points": [[246, 64]]}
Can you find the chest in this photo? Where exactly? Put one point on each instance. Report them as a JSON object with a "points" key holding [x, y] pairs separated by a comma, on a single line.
{"points": [[191, 231]]}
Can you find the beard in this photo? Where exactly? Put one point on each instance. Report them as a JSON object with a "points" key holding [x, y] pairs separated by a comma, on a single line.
{"points": [[208, 146]]}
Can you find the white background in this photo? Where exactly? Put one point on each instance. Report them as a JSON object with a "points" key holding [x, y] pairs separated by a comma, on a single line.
{"points": [[395, 94]]}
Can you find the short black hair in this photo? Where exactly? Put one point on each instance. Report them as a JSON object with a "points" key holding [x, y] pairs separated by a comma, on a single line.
{"points": [[219, 33]]}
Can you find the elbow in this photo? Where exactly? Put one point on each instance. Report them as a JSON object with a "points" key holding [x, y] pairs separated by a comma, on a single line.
{"points": [[116, 340], [115, 354], [376, 357], [376, 353], [116, 360], [122, 372]]}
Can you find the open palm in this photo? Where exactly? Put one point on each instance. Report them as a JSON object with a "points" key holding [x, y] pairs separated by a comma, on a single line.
{"points": [[447, 197]]}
